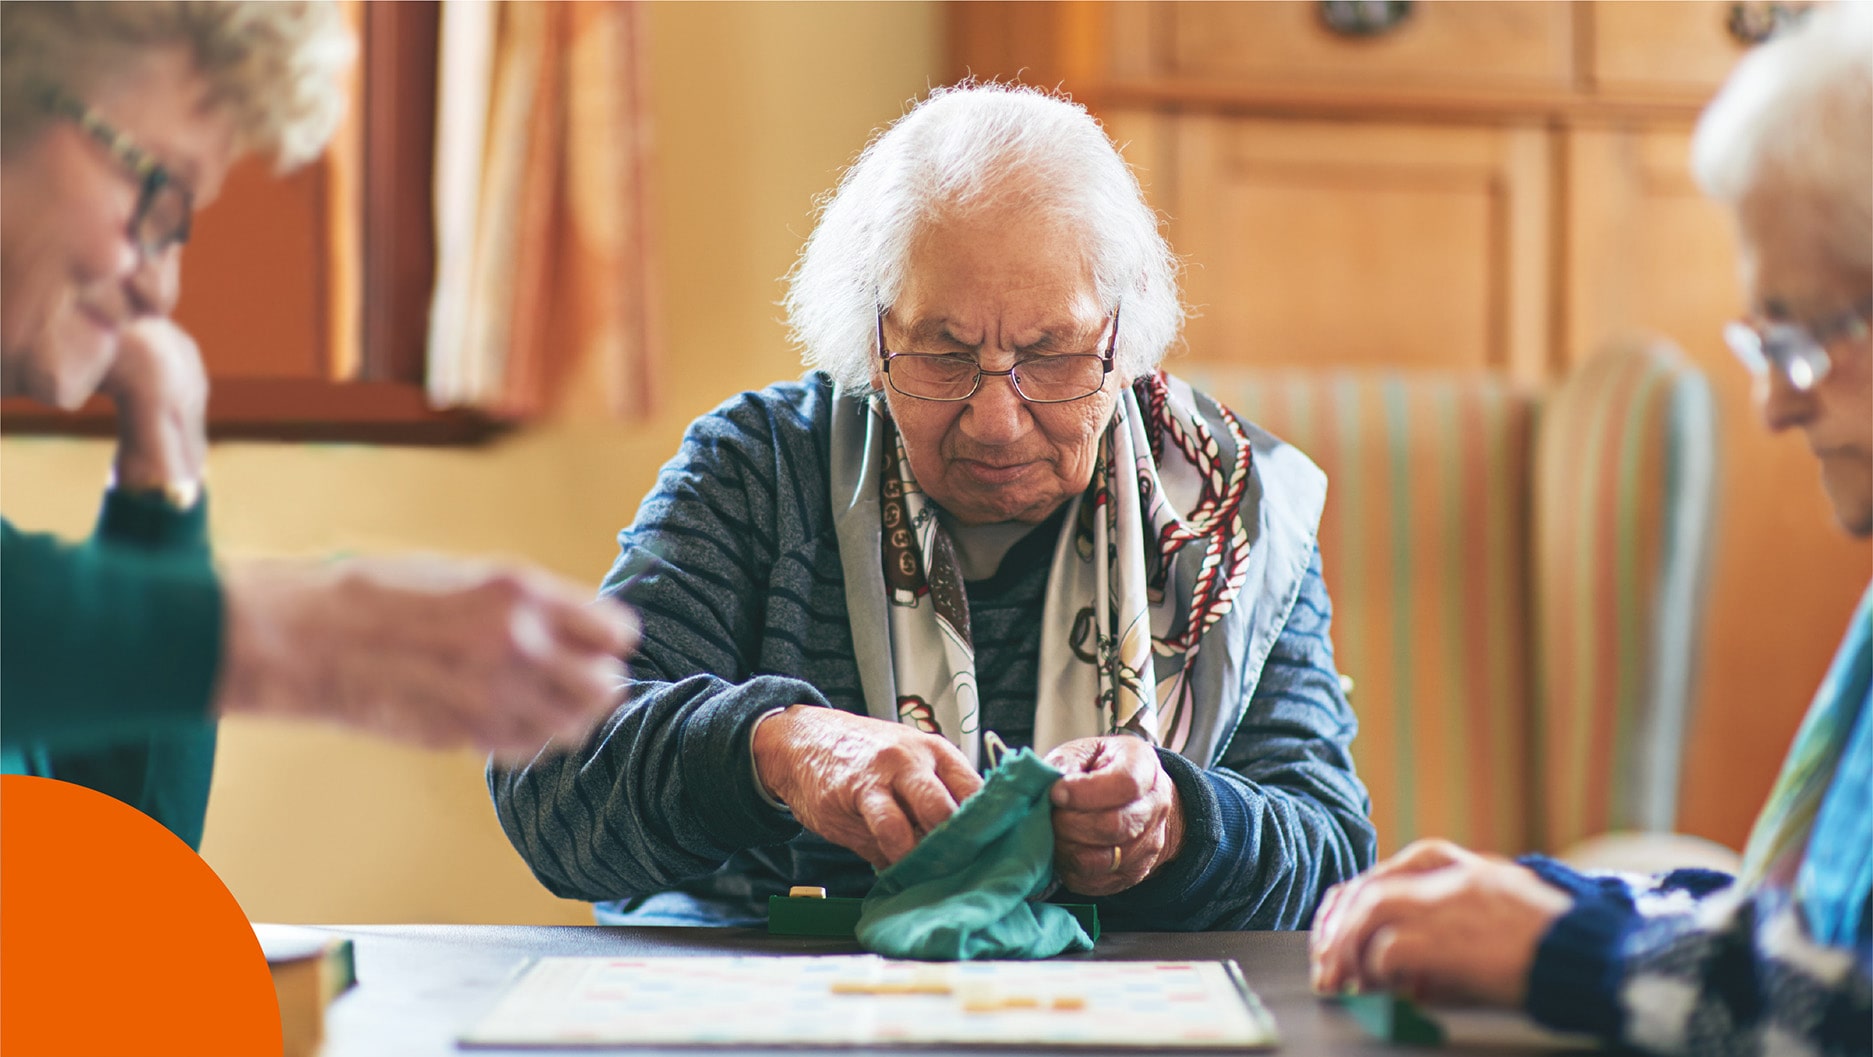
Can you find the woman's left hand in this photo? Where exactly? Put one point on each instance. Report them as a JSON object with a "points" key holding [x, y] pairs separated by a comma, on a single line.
{"points": [[1117, 815]]}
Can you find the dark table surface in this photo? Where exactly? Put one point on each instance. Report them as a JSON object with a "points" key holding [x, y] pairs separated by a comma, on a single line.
{"points": [[419, 986]]}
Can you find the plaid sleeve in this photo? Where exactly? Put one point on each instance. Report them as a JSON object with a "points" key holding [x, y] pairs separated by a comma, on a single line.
{"points": [[1684, 963]]}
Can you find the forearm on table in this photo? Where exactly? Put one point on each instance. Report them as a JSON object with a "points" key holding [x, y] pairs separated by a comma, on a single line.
{"points": [[1574, 981], [1742, 969], [661, 793]]}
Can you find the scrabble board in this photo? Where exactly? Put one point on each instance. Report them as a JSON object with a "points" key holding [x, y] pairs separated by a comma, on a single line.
{"points": [[868, 1001]]}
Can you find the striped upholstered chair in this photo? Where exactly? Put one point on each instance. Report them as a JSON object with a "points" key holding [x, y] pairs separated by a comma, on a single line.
{"points": [[1624, 496], [1516, 578]]}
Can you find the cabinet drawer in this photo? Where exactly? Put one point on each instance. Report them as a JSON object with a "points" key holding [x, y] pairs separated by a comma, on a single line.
{"points": [[1512, 45], [1664, 46]]}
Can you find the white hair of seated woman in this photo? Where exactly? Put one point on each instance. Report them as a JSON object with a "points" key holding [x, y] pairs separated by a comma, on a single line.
{"points": [[1798, 112], [979, 146]]}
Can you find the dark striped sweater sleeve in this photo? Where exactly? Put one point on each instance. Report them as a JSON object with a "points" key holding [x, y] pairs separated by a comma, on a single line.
{"points": [[664, 791], [1282, 816]]}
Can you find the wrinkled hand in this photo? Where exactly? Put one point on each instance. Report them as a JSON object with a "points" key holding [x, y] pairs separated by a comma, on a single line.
{"points": [[1115, 795], [1437, 923], [861, 783], [432, 652], [161, 391]]}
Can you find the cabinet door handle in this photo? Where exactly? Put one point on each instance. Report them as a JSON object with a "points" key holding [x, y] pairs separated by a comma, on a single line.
{"points": [[1364, 18], [1751, 24]]}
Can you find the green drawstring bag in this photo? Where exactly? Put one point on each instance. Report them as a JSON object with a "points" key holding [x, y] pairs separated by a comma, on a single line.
{"points": [[969, 889]]}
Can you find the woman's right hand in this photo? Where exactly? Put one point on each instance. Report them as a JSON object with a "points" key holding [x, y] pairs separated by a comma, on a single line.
{"points": [[1438, 923], [862, 783], [423, 650]]}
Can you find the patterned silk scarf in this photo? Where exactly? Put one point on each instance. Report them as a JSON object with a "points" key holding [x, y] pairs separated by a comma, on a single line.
{"points": [[1150, 559], [1815, 835]]}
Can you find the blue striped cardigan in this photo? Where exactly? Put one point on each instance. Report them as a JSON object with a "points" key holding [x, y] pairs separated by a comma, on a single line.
{"points": [[733, 566]]}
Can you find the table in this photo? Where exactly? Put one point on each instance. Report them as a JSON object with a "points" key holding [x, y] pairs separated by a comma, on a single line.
{"points": [[419, 985]]}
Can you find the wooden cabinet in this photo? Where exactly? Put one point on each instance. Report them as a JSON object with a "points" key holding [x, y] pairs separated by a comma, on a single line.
{"points": [[1477, 46], [1371, 244], [1405, 196], [1664, 47], [1484, 186], [1645, 249]]}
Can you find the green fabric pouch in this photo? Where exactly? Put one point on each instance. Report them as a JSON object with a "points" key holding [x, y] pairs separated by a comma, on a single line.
{"points": [[969, 889]]}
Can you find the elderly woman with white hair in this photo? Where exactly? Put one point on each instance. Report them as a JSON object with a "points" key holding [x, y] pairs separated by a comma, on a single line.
{"points": [[117, 122], [985, 510], [1778, 959]]}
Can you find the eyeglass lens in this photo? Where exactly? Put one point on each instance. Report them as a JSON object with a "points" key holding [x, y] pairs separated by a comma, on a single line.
{"points": [[162, 217], [1786, 347], [1044, 379]]}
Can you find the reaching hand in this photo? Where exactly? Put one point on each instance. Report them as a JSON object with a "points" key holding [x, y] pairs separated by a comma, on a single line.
{"points": [[865, 784], [161, 392], [1437, 923], [1117, 815], [432, 652]]}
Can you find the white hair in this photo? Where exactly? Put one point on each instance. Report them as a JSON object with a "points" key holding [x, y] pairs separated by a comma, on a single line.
{"points": [[976, 145], [1799, 110]]}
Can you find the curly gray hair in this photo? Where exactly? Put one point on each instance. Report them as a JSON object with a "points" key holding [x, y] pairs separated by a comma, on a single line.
{"points": [[278, 67], [979, 145]]}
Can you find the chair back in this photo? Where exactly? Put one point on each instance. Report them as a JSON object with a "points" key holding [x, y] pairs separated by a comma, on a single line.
{"points": [[1625, 470], [1425, 544]]}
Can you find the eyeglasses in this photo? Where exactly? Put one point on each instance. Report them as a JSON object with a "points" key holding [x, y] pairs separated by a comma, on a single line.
{"points": [[1053, 379], [1798, 351], [164, 206]]}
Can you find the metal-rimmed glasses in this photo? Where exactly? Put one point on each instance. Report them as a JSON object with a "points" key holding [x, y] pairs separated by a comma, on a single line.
{"points": [[1055, 379], [165, 207], [1797, 350]]}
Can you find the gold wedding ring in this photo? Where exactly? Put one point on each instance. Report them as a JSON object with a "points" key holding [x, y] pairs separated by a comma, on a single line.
{"points": [[1117, 858]]}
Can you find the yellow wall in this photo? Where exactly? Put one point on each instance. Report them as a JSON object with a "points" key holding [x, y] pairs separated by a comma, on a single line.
{"points": [[757, 107]]}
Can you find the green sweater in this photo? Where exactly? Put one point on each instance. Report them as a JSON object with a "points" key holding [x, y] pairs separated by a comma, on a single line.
{"points": [[108, 656]]}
